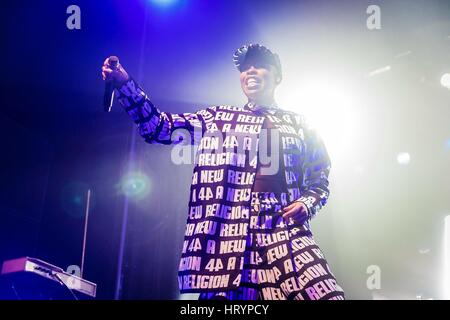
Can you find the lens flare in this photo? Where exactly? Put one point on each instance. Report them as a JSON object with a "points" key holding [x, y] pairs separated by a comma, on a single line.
{"points": [[445, 80], [73, 199], [135, 185], [403, 158]]}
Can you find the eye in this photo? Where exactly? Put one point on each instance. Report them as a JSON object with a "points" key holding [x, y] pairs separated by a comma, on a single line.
{"points": [[256, 65], [245, 67], [265, 65]]}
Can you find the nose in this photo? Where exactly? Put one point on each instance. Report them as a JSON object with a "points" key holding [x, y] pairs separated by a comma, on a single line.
{"points": [[251, 70]]}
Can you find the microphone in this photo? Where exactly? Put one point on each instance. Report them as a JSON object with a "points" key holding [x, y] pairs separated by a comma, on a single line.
{"points": [[108, 96]]}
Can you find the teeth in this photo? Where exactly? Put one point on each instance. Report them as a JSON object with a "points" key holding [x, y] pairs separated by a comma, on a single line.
{"points": [[252, 82]]}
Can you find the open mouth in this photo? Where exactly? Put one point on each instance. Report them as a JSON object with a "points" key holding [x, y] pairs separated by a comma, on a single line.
{"points": [[252, 82]]}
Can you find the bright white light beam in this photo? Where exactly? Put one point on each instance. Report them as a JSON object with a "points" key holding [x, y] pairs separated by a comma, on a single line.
{"points": [[446, 282]]}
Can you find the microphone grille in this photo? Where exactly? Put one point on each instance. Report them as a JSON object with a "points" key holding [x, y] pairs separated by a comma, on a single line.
{"points": [[113, 61]]}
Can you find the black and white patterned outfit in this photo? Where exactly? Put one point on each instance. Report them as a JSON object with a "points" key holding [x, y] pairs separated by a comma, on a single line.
{"points": [[237, 245]]}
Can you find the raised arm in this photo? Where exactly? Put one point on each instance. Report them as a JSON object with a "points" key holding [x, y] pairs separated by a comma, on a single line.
{"points": [[154, 125]]}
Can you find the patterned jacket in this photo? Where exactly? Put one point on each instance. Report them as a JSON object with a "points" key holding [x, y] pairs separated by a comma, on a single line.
{"points": [[227, 140]]}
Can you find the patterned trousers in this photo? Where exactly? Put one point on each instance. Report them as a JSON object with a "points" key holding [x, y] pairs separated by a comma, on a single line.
{"points": [[281, 259]]}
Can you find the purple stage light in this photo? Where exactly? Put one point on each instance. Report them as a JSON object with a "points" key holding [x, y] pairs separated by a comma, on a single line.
{"points": [[163, 3]]}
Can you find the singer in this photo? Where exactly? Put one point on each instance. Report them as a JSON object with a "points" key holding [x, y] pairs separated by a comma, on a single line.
{"points": [[260, 176]]}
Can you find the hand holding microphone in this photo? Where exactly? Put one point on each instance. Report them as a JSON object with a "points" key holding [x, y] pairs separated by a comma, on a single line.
{"points": [[114, 75]]}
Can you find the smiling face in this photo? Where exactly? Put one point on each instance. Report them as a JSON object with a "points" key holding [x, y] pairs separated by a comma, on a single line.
{"points": [[258, 81]]}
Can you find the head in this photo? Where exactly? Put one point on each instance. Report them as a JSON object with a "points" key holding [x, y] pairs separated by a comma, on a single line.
{"points": [[260, 72]]}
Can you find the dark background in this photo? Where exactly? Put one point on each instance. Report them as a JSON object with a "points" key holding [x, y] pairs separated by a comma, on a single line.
{"points": [[58, 142]]}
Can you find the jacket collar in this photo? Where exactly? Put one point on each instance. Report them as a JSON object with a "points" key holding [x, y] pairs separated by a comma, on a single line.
{"points": [[251, 106]]}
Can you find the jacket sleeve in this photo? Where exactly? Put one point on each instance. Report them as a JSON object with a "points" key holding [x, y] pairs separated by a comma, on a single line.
{"points": [[157, 126], [315, 167]]}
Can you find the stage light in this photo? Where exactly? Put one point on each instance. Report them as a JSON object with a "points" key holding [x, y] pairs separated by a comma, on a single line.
{"points": [[359, 169], [163, 3], [330, 107], [403, 158], [378, 71], [446, 283], [135, 185], [445, 80]]}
